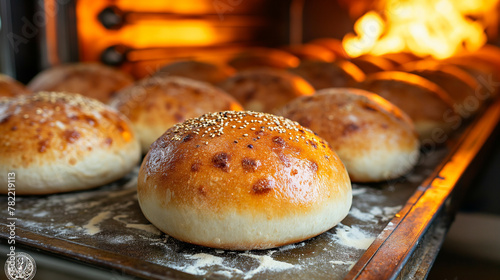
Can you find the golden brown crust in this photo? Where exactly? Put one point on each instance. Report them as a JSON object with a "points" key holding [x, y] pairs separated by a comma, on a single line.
{"points": [[361, 127], [457, 83], [421, 99], [263, 57], [334, 45], [197, 70], [155, 104], [10, 87], [49, 128], [370, 64], [311, 52], [89, 79], [322, 74], [244, 164], [265, 90]]}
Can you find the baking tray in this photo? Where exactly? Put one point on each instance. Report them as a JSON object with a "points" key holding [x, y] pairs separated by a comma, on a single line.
{"points": [[105, 227]]}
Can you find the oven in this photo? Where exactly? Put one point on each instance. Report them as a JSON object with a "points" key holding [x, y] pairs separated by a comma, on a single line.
{"points": [[139, 37]]}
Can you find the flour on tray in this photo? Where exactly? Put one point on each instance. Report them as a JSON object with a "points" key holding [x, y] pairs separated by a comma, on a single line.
{"points": [[352, 237]]}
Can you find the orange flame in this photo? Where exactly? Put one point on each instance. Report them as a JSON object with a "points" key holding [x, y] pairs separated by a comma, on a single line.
{"points": [[440, 28]]}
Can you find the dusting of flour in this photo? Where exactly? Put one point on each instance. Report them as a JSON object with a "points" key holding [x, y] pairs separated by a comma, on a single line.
{"points": [[352, 237]]}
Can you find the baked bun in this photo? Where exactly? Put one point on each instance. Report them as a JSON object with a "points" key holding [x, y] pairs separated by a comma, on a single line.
{"points": [[332, 44], [93, 80], [265, 90], [428, 105], [486, 73], [155, 104], [263, 58], [322, 74], [311, 52], [370, 64], [375, 140], [242, 181], [197, 70], [457, 83], [58, 142], [10, 87]]}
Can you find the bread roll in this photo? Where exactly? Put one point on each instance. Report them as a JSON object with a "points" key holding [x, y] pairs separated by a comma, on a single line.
{"points": [[375, 140], [155, 104], [370, 64], [429, 106], [263, 58], [322, 74], [57, 142], [265, 90], [10, 87], [93, 80], [197, 70], [457, 83], [485, 72], [242, 181], [311, 52], [334, 45]]}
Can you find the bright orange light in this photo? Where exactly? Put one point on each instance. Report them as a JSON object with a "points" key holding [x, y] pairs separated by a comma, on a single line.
{"points": [[423, 27]]}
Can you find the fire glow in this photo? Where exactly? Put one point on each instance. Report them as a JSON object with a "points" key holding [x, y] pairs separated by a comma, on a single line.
{"points": [[439, 28]]}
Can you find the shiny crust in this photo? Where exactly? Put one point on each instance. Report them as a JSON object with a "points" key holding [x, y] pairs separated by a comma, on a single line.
{"points": [[10, 87], [457, 83], [322, 74], [242, 180], [375, 140], [57, 142], [266, 90], [197, 70], [155, 104], [311, 52], [370, 64], [89, 79], [426, 103]]}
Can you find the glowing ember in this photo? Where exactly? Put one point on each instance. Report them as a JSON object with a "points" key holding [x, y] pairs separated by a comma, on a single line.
{"points": [[423, 27]]}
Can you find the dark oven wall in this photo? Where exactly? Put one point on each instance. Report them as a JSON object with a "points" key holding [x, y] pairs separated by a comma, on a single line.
{"points": [[140, 36]]}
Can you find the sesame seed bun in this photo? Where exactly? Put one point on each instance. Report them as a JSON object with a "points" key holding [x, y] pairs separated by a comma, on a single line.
{"points": [[242, 181], [375, 140], [58, 142], [155, 104]]}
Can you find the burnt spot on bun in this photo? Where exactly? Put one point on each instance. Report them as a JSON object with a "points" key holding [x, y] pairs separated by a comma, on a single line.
{"points": [[43, 145], [350, 128], [313, 166], [202, 190], [195, 167], [71, 136], [279, 141], [285, 160], [250, 164], [187, 138], [263, 186], [221, 161]]}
